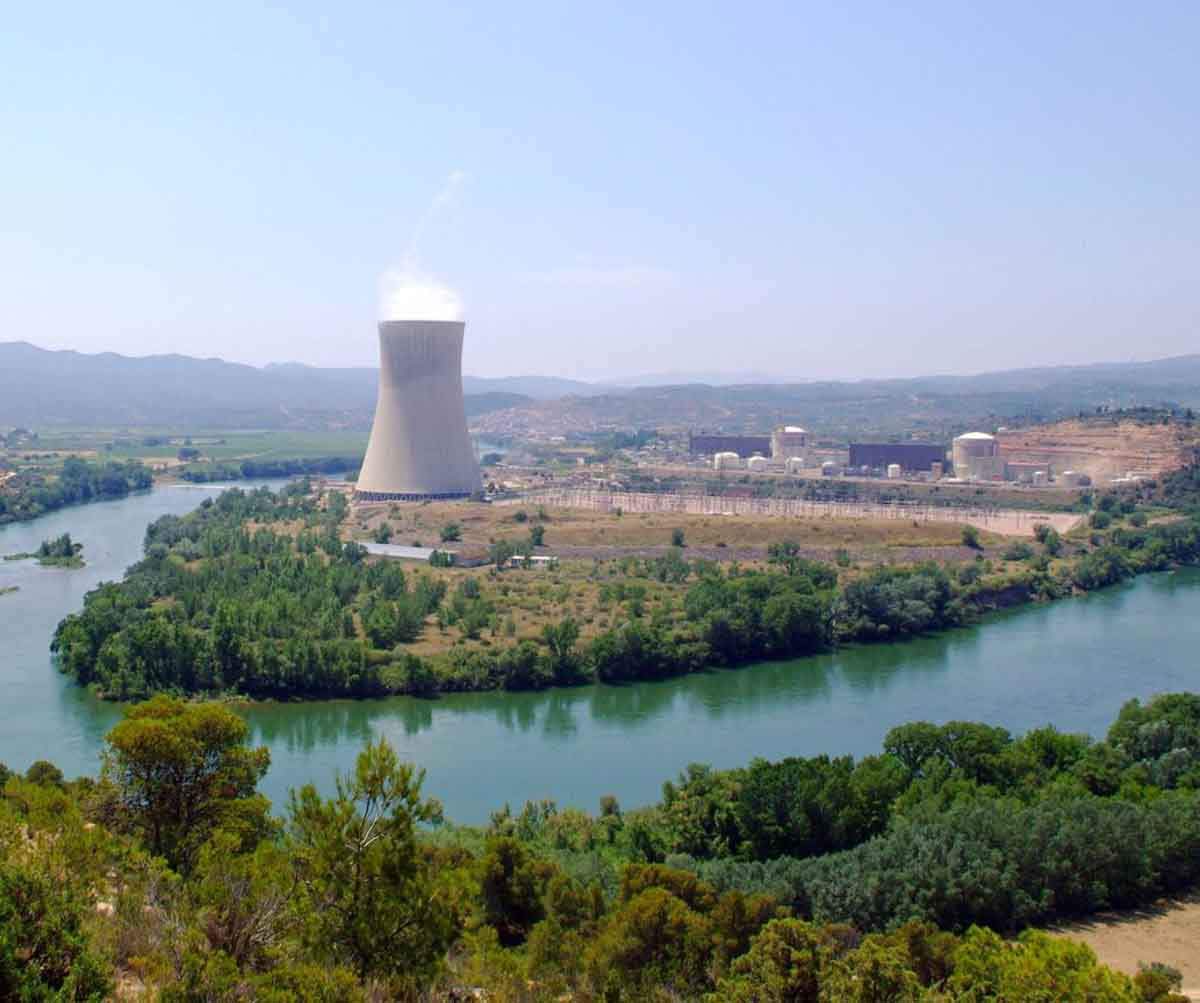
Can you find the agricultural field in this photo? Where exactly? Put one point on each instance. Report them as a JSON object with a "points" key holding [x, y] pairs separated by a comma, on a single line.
{"points": [[160, 447]]}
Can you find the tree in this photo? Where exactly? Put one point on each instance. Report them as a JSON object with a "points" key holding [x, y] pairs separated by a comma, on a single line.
{"points": [[677, 538], [44, 953], [44, 773], [371, 900], [501, 552], [450, 532], [783, 965], [970, 538], [182, 771], [511, 884], [560, 639], [537, 536]]}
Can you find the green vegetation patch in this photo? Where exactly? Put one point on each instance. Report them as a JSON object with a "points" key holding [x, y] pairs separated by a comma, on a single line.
{"points": [[912, 875]]}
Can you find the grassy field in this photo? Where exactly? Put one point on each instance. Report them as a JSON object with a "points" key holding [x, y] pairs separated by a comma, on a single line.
{"points": [[158, 446], [482, 524]]}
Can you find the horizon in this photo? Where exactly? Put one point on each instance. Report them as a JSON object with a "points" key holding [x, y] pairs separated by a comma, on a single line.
{"points": [[637, 380]]}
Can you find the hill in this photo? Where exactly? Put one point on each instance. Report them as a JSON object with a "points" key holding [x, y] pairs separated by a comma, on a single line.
{"points": [[934, 407], [39, 387]]}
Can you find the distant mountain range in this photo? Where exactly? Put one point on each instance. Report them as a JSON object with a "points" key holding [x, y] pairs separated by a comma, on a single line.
{"points": [[40, 387]]}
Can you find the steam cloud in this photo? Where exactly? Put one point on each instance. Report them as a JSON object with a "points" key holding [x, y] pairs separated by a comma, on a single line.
{"points": [[408, 292]]}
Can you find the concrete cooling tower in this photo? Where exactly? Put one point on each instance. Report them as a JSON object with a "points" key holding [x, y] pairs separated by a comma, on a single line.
{"points": [[419, 445]]}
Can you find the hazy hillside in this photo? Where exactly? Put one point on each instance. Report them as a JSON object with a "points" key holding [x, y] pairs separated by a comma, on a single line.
{"points": [[935, 407], [38, 387]]}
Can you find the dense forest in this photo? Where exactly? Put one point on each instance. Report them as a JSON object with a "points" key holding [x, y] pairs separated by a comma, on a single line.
{"points": [[917, 874], [256, 593], [233, 470], [79, 481]]}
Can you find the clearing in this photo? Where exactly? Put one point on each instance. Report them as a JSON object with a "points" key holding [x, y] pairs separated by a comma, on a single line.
{"points": [[1167, 932]]}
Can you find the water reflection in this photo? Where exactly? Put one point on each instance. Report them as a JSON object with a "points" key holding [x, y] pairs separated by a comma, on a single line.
{"points": [[1072, 662]]}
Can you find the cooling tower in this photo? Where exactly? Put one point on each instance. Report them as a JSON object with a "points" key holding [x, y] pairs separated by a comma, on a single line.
{"points": [[419, 445]]}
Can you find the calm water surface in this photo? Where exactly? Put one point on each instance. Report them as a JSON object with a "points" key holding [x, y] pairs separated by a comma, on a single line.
{"points": [[1072, 663]]}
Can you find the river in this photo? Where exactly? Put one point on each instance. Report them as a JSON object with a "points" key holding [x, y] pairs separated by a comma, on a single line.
{"points": [[1072, 663]]}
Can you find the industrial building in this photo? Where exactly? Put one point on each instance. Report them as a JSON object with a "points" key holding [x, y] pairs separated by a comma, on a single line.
{"points": [[419, 447], [744, 445], [727, 460], [789, 442], [909, 456], [976, 457]]}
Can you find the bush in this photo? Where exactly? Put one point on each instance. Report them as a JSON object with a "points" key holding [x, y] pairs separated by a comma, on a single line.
{"points": [[44, 952]]}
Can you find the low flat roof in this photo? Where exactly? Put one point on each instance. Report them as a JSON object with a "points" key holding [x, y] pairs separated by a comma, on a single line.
{"points": [[396, 550]]}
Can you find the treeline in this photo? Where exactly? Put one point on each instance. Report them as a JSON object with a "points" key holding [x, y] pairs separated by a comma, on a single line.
{"points": [[168, 874], [222, 602], [215, 606], [262, 468], [79, 481]]}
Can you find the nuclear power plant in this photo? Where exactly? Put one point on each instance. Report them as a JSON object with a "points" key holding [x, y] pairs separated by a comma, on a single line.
{"points": [[419, 447]]}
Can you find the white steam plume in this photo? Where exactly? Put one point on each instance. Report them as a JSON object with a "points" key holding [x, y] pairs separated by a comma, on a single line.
{"points": [[406, 291]]}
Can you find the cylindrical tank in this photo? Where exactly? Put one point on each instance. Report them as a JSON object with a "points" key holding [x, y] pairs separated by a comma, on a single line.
{"points": [[419, 446], [757, 463], [788, 441], [893, 471], [726, 461], [828, 468], [975, 455], [795, 464]]}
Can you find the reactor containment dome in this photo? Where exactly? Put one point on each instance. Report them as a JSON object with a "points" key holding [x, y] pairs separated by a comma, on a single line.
{"points": [[419, 447]]}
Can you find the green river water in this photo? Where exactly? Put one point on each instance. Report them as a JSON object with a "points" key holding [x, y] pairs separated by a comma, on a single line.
{"points": [[1072, 663]]}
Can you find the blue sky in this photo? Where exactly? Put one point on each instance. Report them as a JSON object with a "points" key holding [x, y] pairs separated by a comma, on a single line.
{"points": [[797, 190]]}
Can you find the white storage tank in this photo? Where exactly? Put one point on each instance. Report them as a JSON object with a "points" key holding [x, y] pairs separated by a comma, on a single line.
{"points": [[976, 455], [758, 463], [828, 468], [795, 464], [727, 461], [893, 471]]}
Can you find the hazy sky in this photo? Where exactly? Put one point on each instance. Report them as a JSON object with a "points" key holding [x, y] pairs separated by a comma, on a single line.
{"points": [[806, 190]]}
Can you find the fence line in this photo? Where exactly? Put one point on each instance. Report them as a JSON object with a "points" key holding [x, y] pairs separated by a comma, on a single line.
{"points": [[638, 502]]}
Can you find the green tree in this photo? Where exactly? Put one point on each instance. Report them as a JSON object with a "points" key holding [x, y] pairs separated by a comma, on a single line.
{"points": [[501, 552], [511, 883], [677, 538], [450, 532], [44, 773], [970, 538], [44, 952], [783, 965], [537, 536], [182, 771], [369, 897]]}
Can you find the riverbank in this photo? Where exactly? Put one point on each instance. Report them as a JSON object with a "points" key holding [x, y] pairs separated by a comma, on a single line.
{"points": [[1073, 662], [34, 490], [257, 594]]}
